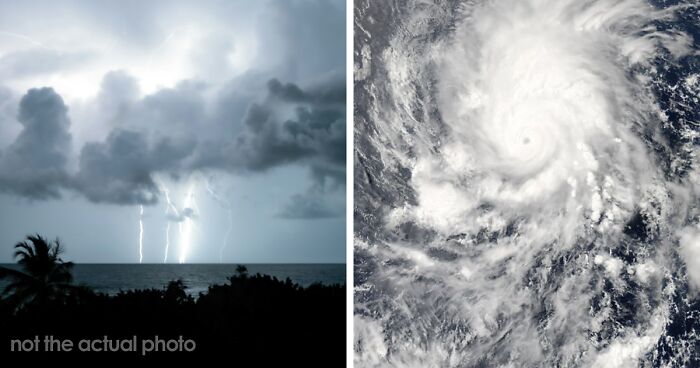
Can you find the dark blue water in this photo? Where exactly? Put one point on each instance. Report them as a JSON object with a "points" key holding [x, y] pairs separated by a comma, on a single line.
{"points": [[111, 278]]}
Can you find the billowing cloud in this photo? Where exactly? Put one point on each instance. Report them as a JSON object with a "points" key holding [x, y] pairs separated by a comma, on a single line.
{"points": [[290, 125], [121, 169], [689, 251], [159, 134], [175, 98], [34, 165]]}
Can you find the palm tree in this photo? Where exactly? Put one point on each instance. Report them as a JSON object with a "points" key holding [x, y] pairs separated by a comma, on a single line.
{"points": [[44, 276]]}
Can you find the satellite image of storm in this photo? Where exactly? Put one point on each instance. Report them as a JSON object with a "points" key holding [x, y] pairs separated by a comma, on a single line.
{"points": [[527, 183]]}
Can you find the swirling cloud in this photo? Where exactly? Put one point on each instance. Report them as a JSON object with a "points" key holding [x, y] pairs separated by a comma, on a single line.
{"points": [[518, 183]]}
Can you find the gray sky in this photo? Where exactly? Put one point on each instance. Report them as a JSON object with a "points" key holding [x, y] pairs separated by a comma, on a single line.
{"points": [[235, 109]]}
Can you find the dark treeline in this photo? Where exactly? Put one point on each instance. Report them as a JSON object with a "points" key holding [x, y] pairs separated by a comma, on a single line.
{"points": [[252, 318]]}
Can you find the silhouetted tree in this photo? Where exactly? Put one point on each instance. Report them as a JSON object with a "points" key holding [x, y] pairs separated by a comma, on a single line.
{"points": [[175, 292], [259, 319], [44, 276], [242, 271]]}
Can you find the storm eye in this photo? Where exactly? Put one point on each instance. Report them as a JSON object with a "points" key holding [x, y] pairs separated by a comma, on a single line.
{"points": [[526, 140]]}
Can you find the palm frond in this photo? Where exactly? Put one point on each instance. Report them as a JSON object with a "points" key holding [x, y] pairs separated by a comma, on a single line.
{"points": [[24, 250], [42, 248], [44, 275], [56, 249]]}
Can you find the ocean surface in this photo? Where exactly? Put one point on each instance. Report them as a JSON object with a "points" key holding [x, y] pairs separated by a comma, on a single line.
{"points": [[111, 278]]}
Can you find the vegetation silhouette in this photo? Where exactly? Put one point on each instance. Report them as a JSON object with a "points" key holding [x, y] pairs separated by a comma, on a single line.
{"points": [[44, 276], [254, 319]]}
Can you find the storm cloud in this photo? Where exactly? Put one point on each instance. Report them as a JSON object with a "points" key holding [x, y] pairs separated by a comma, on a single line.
{"points": [[114, 116], [121, 169], [285, 109], [290, 125], [34, 165], [158, 134]]}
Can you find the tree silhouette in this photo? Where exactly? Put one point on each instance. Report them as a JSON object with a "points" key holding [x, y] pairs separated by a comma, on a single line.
{"points": [[242, 271], [264, 321], [175, 292], [44, 276]]}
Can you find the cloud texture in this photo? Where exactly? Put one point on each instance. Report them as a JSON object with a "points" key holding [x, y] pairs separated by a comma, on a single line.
{"points": [[195, 101]]}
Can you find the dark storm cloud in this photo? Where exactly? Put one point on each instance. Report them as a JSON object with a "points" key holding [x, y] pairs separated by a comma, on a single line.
{"points": [[330, 92], [266, 143], [233, 100], [291, 125], [34, 165], [287, 92], [183, 104], [159, 134], [120, 170], [251, 124]]}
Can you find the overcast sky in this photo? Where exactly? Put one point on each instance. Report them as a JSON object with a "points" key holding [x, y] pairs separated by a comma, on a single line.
{"points": [[233, 110]]}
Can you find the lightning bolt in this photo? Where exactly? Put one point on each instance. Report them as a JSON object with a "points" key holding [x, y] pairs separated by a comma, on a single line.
{"points": [[140, 233], [185, 226], [169, 207], [227, 206]]}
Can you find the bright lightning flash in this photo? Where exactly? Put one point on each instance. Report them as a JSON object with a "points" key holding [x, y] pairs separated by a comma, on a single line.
{"points": [[140, 233], [186, 225]]}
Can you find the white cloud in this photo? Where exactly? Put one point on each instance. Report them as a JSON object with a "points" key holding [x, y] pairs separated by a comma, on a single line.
{"points": [[689, 250]]}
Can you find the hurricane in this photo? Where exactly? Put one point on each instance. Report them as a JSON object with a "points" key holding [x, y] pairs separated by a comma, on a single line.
{"points": [[526, 183]]}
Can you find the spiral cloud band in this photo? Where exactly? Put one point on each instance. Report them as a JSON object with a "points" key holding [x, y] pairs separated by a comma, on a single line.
{"points": [[530, 182]]}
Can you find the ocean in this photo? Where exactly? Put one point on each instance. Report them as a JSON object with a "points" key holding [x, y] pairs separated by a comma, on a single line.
{"points": [[111, 278]]}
